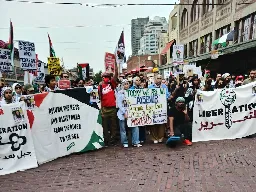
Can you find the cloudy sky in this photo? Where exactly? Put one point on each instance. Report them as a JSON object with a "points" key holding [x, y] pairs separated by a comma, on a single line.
{"points": [[76, 45]]}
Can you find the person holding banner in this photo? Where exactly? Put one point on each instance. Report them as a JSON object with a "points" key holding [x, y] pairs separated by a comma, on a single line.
{"points": [[122, 116], [6, 95], [17, 91], [157, 132], [51, 84], [179, 121]]}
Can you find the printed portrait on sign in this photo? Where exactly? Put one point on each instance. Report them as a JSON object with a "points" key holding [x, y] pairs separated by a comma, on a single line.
{"points": [[30, 102], [94, 97], [254, 90], [110, 68], [18, 114], [125, 104], [199, 98]]}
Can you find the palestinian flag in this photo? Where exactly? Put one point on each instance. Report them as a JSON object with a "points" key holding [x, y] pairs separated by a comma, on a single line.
{"points": [[120, 52], [83, 70], [224, 39], [52, 52], [64, 122]]}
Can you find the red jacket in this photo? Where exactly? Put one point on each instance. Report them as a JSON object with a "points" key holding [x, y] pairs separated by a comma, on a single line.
{"points": [[107, 94]]}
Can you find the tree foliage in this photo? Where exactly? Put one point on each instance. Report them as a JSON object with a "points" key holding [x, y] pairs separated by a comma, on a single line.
{"points": [[97, 77]]}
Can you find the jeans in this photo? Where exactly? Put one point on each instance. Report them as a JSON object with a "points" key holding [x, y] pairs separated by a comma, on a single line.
{"points": [[135, 133]]}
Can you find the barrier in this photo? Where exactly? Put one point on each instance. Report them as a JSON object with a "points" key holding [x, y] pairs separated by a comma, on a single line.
{"points": [[49, 126]]}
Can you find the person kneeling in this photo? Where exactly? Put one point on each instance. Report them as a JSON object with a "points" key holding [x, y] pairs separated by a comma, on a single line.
{"points": [[179, 121]]}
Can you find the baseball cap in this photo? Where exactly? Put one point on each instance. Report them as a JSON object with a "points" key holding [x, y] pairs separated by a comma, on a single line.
{"points": [[180, 100]]}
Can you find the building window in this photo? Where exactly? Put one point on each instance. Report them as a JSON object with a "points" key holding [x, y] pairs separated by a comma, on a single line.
{"points": [[222, 31], [184, 19], [207, 6], [206, 43], [195, 11], [185, 51], [193, 48]]}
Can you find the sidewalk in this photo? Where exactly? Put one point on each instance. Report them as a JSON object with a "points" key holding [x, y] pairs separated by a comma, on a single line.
{"points": [[220, 166]]}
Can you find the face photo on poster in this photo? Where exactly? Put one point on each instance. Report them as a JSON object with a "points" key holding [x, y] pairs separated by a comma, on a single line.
{"points": [[254, 90], [94, 97], [18, 115], [30, 102], [199, 98]]}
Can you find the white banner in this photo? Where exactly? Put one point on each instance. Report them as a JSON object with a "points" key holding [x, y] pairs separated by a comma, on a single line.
{"points": [[225, 113], [40, 72], [178, 54], [5, 60], [27, 55], [64, 125], [146, 106], [16, 144]]}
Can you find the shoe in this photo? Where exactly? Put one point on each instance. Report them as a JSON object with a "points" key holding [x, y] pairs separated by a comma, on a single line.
{"points": [[137, 145], [155, 142], [187, 142], [141, 141], [160, 140], [125, 145]]}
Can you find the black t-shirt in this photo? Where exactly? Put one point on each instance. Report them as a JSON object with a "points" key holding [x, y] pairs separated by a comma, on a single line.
{"points": [[179, 116]]}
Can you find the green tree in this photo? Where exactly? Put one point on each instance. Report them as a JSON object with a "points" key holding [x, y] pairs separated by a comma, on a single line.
{"points": [[97, 77]]}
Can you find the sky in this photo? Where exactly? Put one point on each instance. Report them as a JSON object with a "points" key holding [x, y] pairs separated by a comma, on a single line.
{"points": [[76, 45]]}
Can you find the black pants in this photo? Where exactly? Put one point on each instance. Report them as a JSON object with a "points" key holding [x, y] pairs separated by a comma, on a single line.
{"points": [[185, 129]]}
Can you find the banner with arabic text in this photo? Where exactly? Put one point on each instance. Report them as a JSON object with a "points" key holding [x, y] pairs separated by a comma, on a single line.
{"points": [[224, 113], [16, 145]]}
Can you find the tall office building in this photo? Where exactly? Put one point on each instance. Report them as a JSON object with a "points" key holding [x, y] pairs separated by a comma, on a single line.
{"points": [[137, 31], [150, 39]]}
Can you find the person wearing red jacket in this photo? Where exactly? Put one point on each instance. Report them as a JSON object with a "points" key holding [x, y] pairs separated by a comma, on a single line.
{"points": [[107, 96]]}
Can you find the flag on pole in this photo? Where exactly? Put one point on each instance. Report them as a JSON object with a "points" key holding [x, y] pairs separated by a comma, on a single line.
{"points": [[52, 52], [120, 52], [83, 70], [10, 44]]}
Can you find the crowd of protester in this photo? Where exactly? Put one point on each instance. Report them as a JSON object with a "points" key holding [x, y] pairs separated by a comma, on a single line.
{"points": [[113, 105]]}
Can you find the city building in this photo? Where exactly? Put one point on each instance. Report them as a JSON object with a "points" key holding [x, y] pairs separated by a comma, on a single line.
{"points": [[137, 31], [202, 23], [149, 41], [165, 52]]}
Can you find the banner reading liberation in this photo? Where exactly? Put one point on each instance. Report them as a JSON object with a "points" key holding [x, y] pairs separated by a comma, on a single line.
{"points": [[224, 113], [54, 66], [146, 107], [16, 145]]}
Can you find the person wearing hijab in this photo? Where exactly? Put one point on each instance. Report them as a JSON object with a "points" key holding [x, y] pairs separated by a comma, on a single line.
{"points": [[6, 95], [17, 91]]}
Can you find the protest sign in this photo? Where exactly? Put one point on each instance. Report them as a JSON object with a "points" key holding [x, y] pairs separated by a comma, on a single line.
{"points": [[146, 107], [94, 96], [27, 55], [64, 123], [224, 114], [54, 67], [40, 75], [64, 84], [110, 60], [5, 60], [178, 54], [16, 144]]}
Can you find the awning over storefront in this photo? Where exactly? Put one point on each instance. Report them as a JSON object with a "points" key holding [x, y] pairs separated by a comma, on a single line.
{"points": [[167, 47]]}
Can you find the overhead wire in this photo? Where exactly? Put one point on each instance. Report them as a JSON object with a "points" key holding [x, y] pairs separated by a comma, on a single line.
{"points": [[100, 5]]}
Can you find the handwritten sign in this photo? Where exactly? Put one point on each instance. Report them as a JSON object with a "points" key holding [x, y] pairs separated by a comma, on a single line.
{"points": [[40, 72], [54, 66], [224, 114], [16, 144], [27, 55], [146, 107], [5, 60]]}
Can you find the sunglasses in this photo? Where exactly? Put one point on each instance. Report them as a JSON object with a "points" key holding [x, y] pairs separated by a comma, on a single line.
{"points": [[8, 92], [66, 77], [17, 87]]}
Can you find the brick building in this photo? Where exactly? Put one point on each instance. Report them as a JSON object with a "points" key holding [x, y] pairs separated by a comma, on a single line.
{"points": [[134, 62]]}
